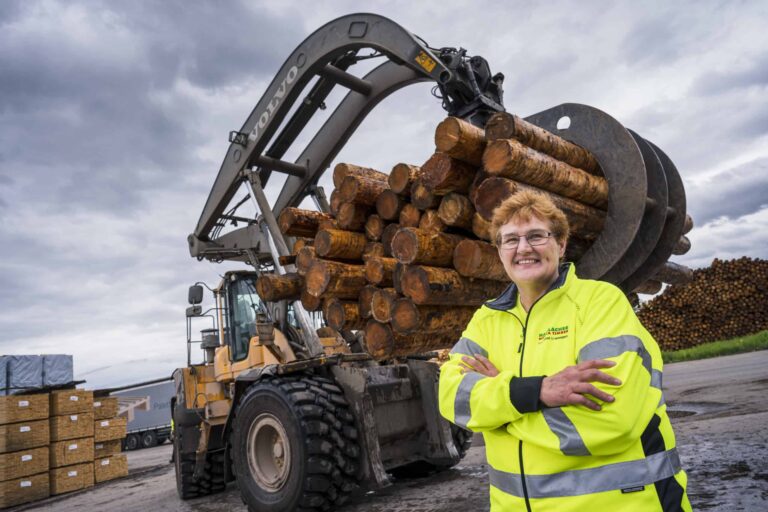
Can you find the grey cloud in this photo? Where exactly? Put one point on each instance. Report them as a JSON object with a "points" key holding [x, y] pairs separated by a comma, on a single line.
{"points": [[716, 82]]}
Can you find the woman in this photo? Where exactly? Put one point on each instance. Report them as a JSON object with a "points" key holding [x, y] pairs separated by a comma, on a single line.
{"points": [[563, 381]]}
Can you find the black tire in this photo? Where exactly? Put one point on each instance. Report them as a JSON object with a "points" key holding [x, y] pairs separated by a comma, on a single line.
{"points": [[149, 439], [294, 445], [131, 442], [211, 481]]}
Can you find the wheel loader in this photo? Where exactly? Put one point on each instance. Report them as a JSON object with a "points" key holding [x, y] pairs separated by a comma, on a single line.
{"points": [[299, 423]]}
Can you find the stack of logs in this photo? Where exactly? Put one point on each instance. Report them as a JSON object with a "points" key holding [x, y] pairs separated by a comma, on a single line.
{"points": [[726, 300], [407, 257]]}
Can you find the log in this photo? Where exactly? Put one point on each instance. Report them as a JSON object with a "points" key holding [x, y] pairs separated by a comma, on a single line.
{"points": [[327, 332], [416, 246], [339, 244], [328, 224], [373, 250], [585, 221], [682, 246], [389, 204], [508, 126], [688, 224], [410, 216], [481, 227], [378, 271], [509, 158], [352, 216], [333, 279], [304, 259], [408, 317], [356, 189], [287, 260], [431, 221], [364, 300], [474, 258], [343, 315], [461, 140], [423, 198], [397, 277], [374, 227], [402, 177], [382, 343], [386, 238], [342, 170], [300, 243], [334, 202], [673, 273], [300, 222], [433, 285], [456, 211], [273, 287], [442, 174], [310, 302], [650, 287], [381, 304]]}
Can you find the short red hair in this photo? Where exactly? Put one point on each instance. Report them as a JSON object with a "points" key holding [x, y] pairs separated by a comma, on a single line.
{"points": [[528, 204]]}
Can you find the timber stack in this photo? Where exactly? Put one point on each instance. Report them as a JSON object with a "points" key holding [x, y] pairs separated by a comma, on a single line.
{"points": [[725, 300], [407, 257]]}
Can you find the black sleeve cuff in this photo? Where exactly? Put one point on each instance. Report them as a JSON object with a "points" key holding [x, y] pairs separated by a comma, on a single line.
{"points": [[524, 393]]}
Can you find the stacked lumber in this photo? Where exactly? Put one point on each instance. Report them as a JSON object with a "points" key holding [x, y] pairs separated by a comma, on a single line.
{"points": [[725, 300], [71, 449], [109, 430]]}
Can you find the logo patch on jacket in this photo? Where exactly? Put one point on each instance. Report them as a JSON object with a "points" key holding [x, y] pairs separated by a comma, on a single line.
{"points": [[554, 333]]}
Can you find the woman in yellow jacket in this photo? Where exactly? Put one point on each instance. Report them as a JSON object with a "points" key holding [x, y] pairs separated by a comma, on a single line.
{"points": [[563, 381]]}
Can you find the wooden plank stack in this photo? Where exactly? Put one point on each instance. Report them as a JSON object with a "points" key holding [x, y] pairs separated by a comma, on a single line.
{"points": [[725, 300], [407, 257], [108, 432], [71, 450]]}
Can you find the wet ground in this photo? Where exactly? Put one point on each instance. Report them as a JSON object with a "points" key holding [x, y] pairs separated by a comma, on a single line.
{"points": [[719, 409]]}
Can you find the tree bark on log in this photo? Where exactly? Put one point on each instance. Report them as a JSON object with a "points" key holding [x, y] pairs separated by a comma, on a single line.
{"points": [[431, 221], [352, 216], [508, 126], [473, 258], [356, 189], [402, 177], [673, 273], [383, 343], [273, 287], [364, 300], [378, 271], [423, 198], [381, 304], [481, 227], [457, 211], [461, 140], [304, 259], [397, 277], [301, 243], [334, 279], [343, 315], [442, 174], [339, 244], [585, 221], [300, 222], [342, 170], [408, 317], [374, 227], [416, 246], [509, 158], [410, 216], [334, 202], [310, 302], [373, 250], [386, 238], [389, 204], [436, 286]]}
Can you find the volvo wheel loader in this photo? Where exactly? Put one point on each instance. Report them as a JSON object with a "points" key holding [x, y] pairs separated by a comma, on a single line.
{"points": [[296, 422]]}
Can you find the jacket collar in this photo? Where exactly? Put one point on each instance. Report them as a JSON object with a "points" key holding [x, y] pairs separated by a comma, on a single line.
{"points": [[508, 298]]}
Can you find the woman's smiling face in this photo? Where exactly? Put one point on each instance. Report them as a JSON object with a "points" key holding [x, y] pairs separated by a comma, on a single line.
{"points": [[530, 266]]}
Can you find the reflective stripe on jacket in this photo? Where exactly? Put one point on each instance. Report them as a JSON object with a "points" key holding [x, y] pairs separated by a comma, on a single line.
{"points": [[567, 458]]}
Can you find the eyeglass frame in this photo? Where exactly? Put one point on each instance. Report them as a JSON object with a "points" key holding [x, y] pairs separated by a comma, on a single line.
{"points": [[545, 237]]}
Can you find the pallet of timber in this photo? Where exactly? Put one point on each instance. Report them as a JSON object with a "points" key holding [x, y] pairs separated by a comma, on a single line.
{"points": [[24, 490], [109, 468], [71, 478], [71, 401], [103, 449], [23, 463], [109, 429], [71, 451], [104, 407], [24, 435], [71, 426], [14, 409]]}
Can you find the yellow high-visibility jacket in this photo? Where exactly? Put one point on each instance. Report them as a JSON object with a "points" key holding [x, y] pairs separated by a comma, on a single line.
{"points": [[571, 458]]}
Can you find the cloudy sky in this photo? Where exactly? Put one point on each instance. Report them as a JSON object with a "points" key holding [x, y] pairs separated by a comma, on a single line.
{"points": [[114, 119]]}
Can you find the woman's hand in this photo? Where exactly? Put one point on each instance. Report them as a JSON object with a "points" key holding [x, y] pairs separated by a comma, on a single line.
{"points": [[479, 364]]}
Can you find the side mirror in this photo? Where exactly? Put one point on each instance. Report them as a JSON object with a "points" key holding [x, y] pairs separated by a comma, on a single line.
{"points": [[195, 294]]}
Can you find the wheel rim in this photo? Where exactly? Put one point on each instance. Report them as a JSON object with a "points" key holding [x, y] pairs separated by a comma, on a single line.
{"points": [[269, 452]]}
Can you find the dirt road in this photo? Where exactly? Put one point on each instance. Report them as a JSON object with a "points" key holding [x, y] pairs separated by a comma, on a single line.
{"points": [[719, 408]]}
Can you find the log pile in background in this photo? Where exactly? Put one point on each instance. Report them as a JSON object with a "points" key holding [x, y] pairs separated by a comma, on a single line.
{"points": [[413, 247], [726, 300]]}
